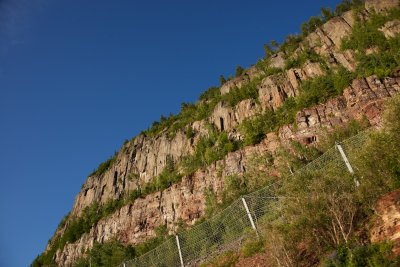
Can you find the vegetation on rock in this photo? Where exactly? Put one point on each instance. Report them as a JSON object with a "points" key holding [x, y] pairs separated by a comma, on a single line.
{"points": [[329, 210]]}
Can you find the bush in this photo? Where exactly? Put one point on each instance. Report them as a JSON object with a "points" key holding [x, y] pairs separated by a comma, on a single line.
{"points": [[254, 129], [371, 255], [366, 35], [163, 180], [188, 114], [104, 166], [326, 14], [208, 150], [210, 94], [222, 80], [234, 187], [382, 65], [252, 247], [354, 127], [286, 113], [110, 253], [311, 25], [113, 253], [227, 259], [321, 88], [211, 203], [347, 5], [239, 71], [189, 132], [290, 44], [299, 61], [247, 91], [168, 176]]}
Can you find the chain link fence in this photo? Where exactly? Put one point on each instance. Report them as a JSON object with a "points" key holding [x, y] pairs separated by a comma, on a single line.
{"points": [[226, 230]]}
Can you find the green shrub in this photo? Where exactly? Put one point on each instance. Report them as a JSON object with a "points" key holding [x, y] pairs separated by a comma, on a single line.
{"points": [[234, 187], [272, 71], [311, 25], [255, 128], [366, 35], [247, 91], [239, 71], [347, 5], [209, 149], [222, 80], [211, 202], [104, 166], [227, 259], [189, 132], [168, 176], [210, 94], [113, 253], [341, 133], [188, 114], [382, 65], [321, 88], [286, 113], [252, 247], [307, 55], [135, 194], [290, 44], [371, 255], [326, 14]]}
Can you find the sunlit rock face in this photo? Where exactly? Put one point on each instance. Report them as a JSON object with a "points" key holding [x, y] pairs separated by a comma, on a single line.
{"points": [[143, 158], [385, 226]]}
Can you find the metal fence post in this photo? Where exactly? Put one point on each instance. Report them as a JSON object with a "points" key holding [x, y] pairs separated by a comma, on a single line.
{"points": [[180, 251], [346, 161], [250, 217]]}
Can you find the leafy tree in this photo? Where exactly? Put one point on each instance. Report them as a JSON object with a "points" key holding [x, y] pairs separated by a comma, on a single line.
{"points": [[254, 129], [326, 13], [347, 5], [311, 25], [222, 80], [239, 71], [268, 50]]}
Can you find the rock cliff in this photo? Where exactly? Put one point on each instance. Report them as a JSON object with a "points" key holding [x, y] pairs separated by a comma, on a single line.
{"points": [[386, 227], [140, 160]]}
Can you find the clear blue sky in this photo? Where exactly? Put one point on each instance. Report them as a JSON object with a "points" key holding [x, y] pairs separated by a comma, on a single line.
{"points": [[77, 78]]}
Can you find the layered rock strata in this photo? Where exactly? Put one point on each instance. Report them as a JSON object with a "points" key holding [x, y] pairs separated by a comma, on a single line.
{"points": [[143, 158]]}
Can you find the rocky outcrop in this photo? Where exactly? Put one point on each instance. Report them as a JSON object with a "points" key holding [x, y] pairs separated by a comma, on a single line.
{"points": [[391, 28], [249, 75], [326, 41], [185, 202], [277, 61], [135, 164], [143, 158], [274, 89], [386, 225], [363, 99], [226, 118]]}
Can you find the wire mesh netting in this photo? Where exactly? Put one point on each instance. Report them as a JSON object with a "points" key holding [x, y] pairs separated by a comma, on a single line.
{"points": [[226, 230]]}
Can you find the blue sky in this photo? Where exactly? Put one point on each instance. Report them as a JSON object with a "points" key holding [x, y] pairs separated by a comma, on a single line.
{"points": [[77, 78]]}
